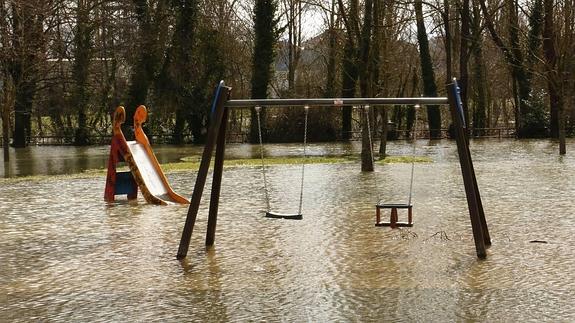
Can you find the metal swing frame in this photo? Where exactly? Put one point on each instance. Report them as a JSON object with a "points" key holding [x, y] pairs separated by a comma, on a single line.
{"points": [[216, 140]]}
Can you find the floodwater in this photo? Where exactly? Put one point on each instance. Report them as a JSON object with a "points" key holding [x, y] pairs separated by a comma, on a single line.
{"points": [[66, 255], [57, 160]]}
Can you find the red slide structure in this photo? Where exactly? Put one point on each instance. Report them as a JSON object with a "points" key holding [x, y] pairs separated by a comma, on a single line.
{"points": [[145, 171]]}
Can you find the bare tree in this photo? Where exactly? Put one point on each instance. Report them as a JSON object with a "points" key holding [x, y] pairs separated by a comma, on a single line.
{"points": [[28, 43], [80, 70], [529, 115], [427, 72], [6, 88]]}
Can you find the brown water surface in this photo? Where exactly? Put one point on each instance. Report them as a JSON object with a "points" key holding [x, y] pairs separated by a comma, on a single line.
{"points": [[66, 255]]}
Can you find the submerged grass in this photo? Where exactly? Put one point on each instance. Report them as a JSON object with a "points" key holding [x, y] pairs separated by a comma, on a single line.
{"points": [[404, 159], [193, 163]]}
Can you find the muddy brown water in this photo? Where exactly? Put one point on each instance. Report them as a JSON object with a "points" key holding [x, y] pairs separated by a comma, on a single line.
{"points": [[65, 255]]}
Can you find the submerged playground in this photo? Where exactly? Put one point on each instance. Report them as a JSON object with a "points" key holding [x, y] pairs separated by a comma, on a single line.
{"points": [[67, 255]]}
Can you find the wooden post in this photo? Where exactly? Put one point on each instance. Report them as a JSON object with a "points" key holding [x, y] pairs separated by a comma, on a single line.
{"points": [[393, 218], [222, 95], [217, 180], [484, 228], [471, 189]]}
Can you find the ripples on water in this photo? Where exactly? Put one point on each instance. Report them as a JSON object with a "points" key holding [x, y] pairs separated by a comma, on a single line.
{"points": [[66, 255]]}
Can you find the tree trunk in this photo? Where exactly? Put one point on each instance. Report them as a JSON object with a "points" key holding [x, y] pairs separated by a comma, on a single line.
{"points": [[27, 43], [562, 144], [428, 75], [377, 84], [448, 40], [366, 86], [6, 86], [350, 72], [82, 42], [147, 59], [6, 133], [411, 113], [7, 93], [530, 120], [348, 84], [294, 42], [479, 78], [383, 140], [178, 78], [332, 52], [464, 58], [551, 65], [22, 109], [265, 26], [568, 82]]}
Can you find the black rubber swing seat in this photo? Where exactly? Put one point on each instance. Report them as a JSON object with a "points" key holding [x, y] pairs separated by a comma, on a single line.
{"points": [[287, 216], [397, 224]]}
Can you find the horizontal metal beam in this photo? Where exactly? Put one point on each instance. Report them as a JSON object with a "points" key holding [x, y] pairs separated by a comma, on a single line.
{"points": [[335, 102]]}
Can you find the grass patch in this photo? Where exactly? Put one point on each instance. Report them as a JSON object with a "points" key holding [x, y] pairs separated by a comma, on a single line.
{"points": [[193, 163], [404, 159]]}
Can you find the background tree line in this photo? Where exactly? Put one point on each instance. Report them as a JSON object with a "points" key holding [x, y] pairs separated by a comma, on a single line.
{"points": [[65, 65]]}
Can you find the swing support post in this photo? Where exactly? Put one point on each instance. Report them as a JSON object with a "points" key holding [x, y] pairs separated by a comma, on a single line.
{"points": [[216, 135], [476, 214], [216, 140], [217, 180]]}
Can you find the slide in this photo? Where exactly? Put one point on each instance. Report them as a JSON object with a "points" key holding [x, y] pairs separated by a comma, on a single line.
{"points": [[144, 167]]}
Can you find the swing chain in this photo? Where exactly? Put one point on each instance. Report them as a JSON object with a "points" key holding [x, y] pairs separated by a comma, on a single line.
{"points": [[368, 121], [306, 109], [416, 107], [267, 196]]}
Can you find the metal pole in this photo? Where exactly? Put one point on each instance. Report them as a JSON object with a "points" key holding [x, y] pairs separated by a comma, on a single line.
{"points": [[335, 102]]}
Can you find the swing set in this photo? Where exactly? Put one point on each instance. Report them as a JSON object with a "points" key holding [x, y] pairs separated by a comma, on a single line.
{"points": [[381, 204], [216, 140], [269, 212]]}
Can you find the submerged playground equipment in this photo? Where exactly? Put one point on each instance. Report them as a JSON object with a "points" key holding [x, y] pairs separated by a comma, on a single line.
{"points": [[216, 139], [145, 171], [269, 212]]}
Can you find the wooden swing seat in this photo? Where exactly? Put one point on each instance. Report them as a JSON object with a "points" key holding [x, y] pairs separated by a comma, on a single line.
{"points": [[393, 218], [287, 216]]}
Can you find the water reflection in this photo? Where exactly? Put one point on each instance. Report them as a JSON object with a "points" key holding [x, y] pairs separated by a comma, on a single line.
{"points": [[53, 160], [7, 172], [66, 253]]}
